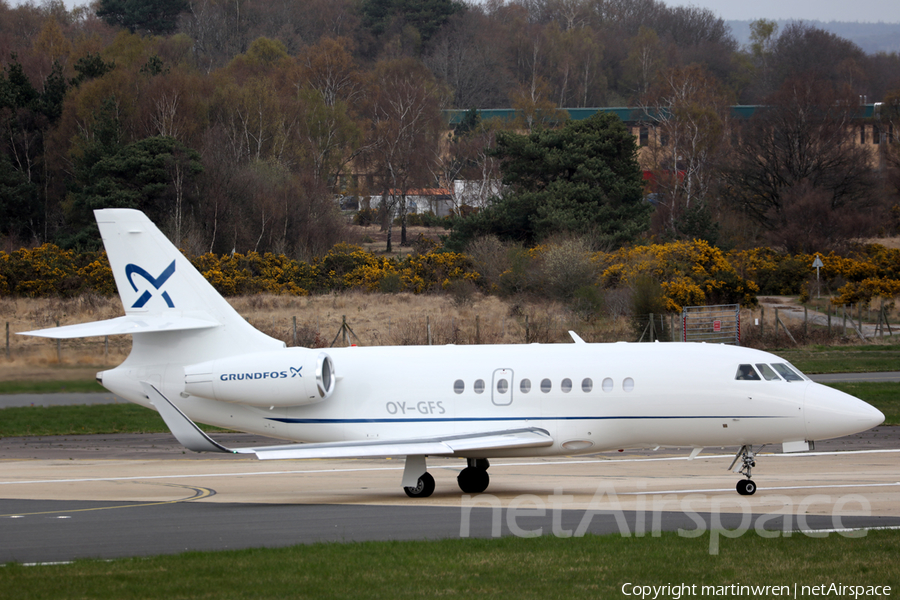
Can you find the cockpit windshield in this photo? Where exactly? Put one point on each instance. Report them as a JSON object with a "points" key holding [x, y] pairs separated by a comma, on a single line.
{"points": [[772, 372], [767, 372], [746, 372], [787, 372]]}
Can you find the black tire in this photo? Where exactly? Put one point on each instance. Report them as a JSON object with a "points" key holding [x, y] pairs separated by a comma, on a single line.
{"points": [[423, 489], [746, 487], [473, 480]]}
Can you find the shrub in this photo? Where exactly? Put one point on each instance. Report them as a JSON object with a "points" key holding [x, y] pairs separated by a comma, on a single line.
{"points": [[565, 267]]}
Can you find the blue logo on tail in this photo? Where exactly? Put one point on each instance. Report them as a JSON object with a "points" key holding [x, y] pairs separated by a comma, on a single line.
{"points": [[157, 283]]}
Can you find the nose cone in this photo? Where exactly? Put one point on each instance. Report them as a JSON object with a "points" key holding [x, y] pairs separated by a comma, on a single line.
{"points": [[830, 413]]}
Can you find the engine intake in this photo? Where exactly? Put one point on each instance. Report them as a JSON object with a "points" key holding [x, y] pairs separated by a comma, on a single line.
{"points": [[291, 377]]}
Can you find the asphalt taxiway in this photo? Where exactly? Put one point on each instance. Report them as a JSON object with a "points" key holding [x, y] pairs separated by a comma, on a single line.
{"points": [[137, 495]]}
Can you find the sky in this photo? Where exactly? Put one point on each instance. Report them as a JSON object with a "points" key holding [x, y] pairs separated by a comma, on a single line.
{"points": [[870, 11]]}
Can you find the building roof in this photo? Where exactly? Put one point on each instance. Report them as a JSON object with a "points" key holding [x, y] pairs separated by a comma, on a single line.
{"points": [[632, 114]]}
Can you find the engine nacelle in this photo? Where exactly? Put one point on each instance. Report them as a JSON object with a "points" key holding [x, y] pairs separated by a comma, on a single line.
{"points": [[290, 377]]}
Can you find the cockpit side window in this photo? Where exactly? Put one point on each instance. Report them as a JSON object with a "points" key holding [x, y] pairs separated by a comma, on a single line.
{"points": [[746, 372], [786, 372], [767, 372]]}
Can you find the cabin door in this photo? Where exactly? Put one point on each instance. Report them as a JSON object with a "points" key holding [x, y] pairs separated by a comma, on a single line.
{"points": [[502, 387]]}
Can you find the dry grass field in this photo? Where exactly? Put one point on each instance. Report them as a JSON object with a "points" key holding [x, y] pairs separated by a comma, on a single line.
{"points": [[374, 319]]}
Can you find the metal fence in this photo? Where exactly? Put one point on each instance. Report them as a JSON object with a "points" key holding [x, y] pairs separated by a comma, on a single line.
{"points": [[719, 324]]}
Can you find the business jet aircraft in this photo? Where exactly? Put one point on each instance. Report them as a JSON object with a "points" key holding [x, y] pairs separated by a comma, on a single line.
{"points": [[195, 359]]}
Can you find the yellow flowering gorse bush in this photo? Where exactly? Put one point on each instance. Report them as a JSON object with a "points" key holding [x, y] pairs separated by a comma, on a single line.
{"points": [[689, 273]]}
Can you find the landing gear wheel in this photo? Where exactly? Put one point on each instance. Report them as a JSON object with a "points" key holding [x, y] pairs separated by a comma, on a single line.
{"points": [[746, 487], [424, 487], [473, 480], [747, 459]]}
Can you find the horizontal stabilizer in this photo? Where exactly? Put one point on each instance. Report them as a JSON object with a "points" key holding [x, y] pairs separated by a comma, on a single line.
{"points": [[193, 438], [123, 326]]}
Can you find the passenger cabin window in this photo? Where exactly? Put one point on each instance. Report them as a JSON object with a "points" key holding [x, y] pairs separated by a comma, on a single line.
{"points": [[502, 386], [525, 386], [546, 386], [607, 385], [628, 384], [767, 372], [786, 372], [746, 372], [459, 386], [479, 386], [566, 385], [587, 385]]}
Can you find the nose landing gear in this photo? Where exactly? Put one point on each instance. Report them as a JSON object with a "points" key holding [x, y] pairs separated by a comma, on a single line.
{"points": [[745, 487]]}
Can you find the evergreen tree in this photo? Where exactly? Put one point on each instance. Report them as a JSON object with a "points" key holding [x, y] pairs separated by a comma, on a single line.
{"points": [[583, 178], [156, 17], [151, 175]]}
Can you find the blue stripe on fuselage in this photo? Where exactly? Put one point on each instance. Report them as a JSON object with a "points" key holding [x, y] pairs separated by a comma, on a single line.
{"points": [[470, 419]]}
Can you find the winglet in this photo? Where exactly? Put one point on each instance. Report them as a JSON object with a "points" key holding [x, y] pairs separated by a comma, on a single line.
{"points": [[185, 431]]}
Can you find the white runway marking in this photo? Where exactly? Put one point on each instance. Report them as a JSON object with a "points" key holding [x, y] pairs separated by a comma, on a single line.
{"points": [[769, 488], [459, 467]]}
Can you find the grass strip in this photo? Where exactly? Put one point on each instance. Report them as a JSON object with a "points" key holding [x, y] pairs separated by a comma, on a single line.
{"points": [[82, 420], [51, 387], [883, 395], [843, 359], [510, 567]]}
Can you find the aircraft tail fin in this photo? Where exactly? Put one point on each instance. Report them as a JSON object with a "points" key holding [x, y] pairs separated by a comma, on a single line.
{"points": [[156, 281], [173, 313]]}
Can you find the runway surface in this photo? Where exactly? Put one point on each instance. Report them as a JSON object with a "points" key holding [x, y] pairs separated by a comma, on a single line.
{"points": [[137, 495]]}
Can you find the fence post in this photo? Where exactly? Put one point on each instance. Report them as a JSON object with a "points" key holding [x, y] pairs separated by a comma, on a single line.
{"points": [[829, 319], [7, 340], [885, 320], [428, 328], [526, 329], [477, 329], [58, 347], [762, 321], [295, 330], [777, 321], [844, 318], [859, 318], [652, 327], [805, 321]]}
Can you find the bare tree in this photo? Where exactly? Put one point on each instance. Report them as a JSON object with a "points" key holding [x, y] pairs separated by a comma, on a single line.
{"points": [[805, 135], [406, 123], [691, 111]]}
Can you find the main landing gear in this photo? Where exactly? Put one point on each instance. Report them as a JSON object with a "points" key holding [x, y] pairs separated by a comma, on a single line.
{"points": [[745, 487], [417, 481], [474, 479], [422, 489]]}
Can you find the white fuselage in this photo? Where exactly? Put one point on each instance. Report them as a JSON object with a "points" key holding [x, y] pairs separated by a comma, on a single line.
{"points": [[589, 397]]}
